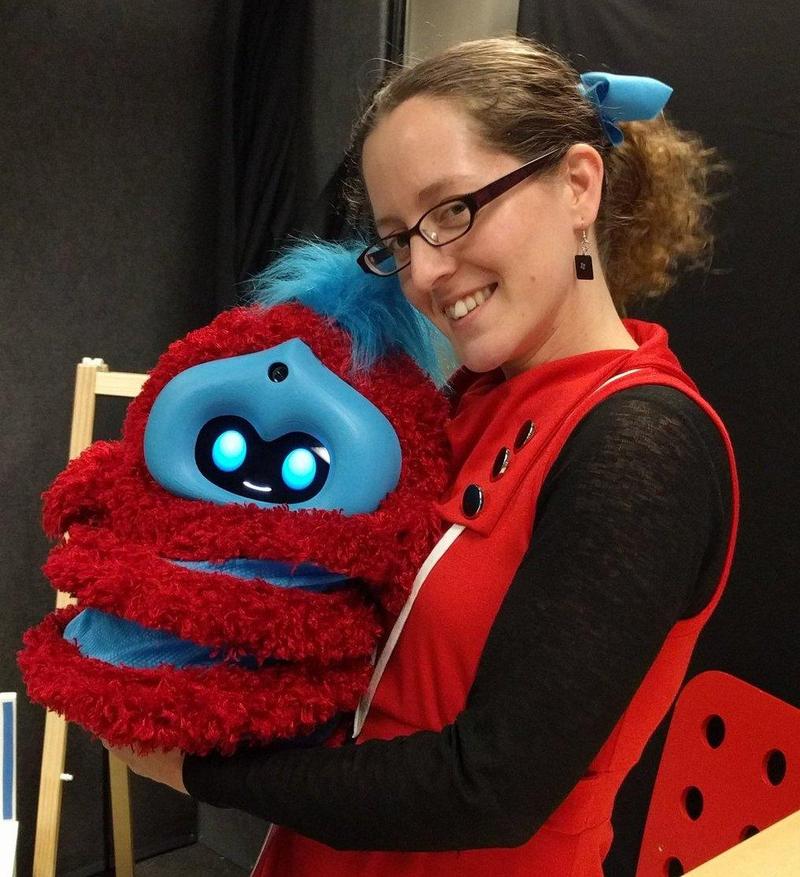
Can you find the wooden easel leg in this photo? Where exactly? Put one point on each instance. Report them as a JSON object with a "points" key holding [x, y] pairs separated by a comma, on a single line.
{"points": [[48, 816], [121, 816]]}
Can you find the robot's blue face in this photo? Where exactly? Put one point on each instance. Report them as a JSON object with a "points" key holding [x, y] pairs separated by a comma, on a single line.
{"points": [[275, 428]]}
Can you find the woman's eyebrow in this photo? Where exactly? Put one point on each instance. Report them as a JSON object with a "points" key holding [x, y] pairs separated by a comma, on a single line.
{"points": [[452, 185], [392, 222]]}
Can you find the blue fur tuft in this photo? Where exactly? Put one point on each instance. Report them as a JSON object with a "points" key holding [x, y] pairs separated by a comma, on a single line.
{"points": [[372, 310]]}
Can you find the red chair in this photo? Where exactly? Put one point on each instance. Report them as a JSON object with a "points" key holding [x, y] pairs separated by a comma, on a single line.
{"points": [[730, 767]]}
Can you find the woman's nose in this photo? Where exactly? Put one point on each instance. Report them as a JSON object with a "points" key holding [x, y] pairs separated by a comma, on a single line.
{"points": [[430, 265]]}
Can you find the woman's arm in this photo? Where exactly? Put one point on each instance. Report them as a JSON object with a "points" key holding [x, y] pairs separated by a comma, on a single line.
{"points": [[631, 527]]}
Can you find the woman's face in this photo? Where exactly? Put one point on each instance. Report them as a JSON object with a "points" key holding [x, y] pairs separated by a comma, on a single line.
{"points": [[518, 258]]}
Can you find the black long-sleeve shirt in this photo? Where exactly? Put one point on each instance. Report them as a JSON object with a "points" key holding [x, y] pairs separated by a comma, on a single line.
{"points": [[631, 531]]}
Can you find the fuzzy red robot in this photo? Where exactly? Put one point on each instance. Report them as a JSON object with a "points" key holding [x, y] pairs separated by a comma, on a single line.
{"points": [[237, 555]]}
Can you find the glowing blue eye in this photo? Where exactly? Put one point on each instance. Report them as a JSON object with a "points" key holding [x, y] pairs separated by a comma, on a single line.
{"points": [[229, 450], [299, 469]]}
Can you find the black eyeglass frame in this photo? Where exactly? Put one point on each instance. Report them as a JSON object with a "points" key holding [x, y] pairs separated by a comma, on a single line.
{"points": [[473, 202]]}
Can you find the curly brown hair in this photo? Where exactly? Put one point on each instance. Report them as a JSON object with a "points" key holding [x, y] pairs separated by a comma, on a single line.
{"points": [[655, 210]]}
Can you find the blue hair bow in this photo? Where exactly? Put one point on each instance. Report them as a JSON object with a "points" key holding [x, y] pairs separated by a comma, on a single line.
{"points": [[623, 99]]}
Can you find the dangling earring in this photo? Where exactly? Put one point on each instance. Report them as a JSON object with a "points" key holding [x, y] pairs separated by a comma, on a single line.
{"points": [[583, 261]]}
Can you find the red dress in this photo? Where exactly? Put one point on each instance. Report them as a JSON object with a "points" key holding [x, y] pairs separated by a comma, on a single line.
{"points": [[429, 674]]}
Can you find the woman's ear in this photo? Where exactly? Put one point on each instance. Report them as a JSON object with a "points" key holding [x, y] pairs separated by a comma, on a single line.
{"points": [[583, 178]]}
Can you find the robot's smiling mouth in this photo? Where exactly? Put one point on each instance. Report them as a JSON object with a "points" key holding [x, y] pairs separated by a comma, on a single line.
{"points": [[121, 642], [262, 488]]}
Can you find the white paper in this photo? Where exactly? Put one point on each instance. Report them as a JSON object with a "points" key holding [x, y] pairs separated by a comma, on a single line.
{"points": [[8, 846]]}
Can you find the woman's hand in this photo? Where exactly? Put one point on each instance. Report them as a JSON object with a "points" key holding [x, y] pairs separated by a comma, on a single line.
{"points": [[163, 767]]}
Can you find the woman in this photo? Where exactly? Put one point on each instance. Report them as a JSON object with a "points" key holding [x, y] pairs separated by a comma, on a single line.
{"points": [[595, 501]]}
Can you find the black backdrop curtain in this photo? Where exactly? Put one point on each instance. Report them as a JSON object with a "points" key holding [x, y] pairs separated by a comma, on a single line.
{"points": [[733, 67], [294, 77], [260, 161]]}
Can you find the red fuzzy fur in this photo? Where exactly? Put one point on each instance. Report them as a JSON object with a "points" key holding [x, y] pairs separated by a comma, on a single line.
{"points": [[213, 609], [124, 529], [196, 710]]}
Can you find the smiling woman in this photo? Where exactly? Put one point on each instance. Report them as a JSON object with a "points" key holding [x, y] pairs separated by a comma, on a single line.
{"points": [[593, 505]]}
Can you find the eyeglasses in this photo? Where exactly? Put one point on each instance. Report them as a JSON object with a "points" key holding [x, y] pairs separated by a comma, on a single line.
{"points": [[442, 224]]}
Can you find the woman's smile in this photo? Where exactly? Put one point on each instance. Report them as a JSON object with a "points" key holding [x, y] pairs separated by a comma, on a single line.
{"points": [[461, 308]]}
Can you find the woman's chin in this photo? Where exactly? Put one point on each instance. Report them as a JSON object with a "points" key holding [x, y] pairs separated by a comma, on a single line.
{"points": [[479, 361]]}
